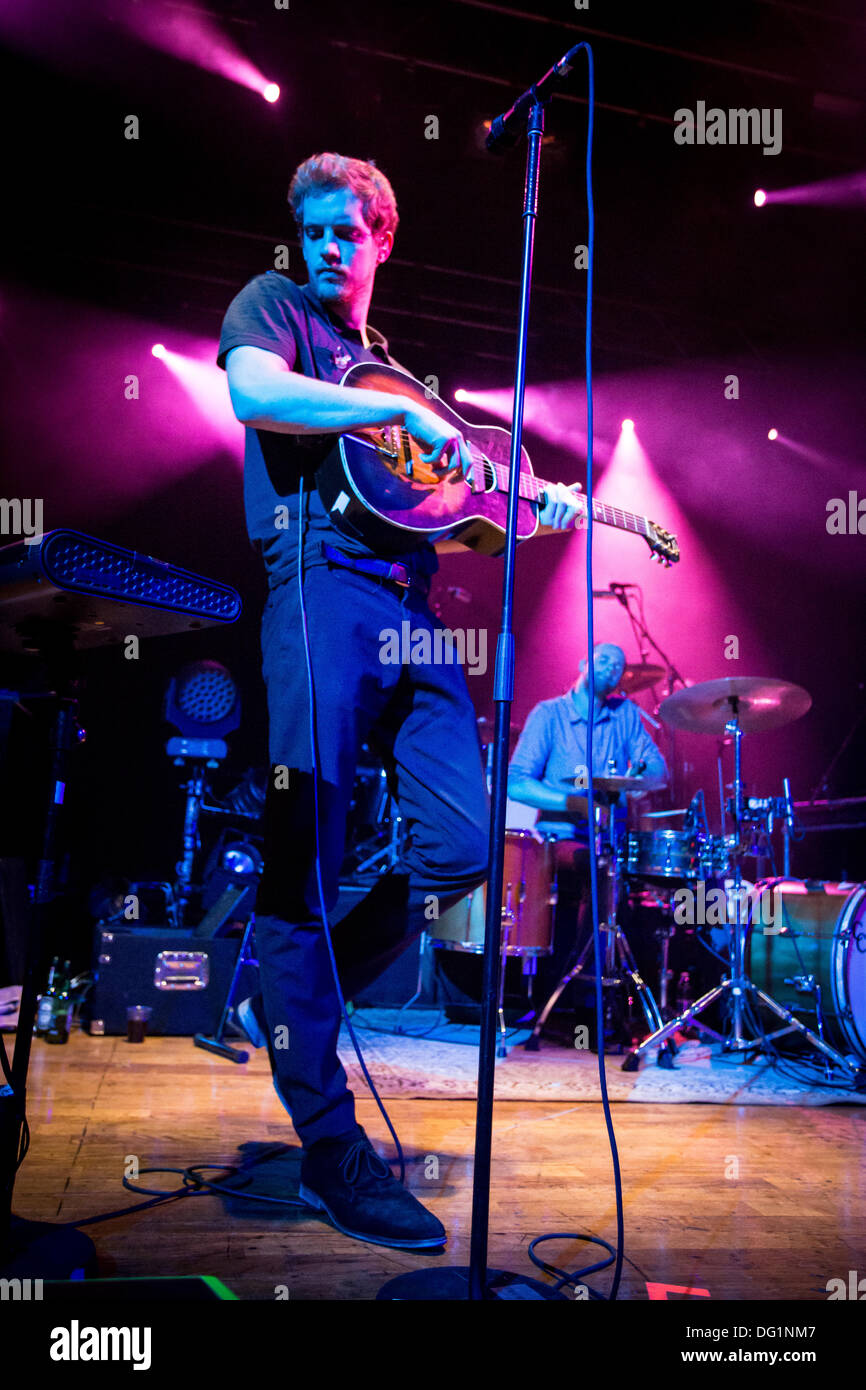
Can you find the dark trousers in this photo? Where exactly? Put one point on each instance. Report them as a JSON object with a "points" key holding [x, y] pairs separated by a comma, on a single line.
{"points": [[420, 718]]}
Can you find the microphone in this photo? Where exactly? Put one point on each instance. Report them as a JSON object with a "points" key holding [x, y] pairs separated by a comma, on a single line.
{"points": [[506, 130], [616, 591]]}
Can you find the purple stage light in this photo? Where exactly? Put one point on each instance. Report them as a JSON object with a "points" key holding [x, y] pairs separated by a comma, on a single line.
{"points": [[195, 38], [628, 426], [772, 434], [460, 394], [844, 190], [271, 92], [158, 350]]}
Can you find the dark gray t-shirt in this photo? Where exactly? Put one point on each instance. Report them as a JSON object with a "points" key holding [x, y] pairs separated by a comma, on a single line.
{"points": [[274, 313]]}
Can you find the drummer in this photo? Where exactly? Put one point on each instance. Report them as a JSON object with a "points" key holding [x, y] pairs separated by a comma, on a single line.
{"points": [[549, 764]]}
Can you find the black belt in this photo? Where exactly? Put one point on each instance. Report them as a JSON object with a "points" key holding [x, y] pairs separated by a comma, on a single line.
{"points": [[382, 570]]}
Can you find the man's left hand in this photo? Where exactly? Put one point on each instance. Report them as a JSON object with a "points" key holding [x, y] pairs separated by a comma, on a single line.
{"points": [[562, 507]]}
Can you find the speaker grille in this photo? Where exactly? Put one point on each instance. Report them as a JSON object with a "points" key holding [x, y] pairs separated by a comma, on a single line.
{"points": [[77, 562]]}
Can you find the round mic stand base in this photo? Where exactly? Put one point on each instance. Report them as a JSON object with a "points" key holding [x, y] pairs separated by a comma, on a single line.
{"points": [[46, 1250], [452, 1284]]}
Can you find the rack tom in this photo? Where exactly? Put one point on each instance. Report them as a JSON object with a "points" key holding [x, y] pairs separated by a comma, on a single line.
{"points": [[666, 856]]}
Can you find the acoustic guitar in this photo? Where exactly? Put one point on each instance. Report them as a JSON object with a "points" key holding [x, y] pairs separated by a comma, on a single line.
{"points": [[375, 487]]}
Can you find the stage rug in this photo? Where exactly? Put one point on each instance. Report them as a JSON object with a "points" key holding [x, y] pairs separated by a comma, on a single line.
{"points": [[444, 1064]]}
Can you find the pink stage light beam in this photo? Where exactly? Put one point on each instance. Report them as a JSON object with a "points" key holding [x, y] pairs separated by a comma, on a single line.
{"points": [[205, 385], [844, 191], [195, 38]]}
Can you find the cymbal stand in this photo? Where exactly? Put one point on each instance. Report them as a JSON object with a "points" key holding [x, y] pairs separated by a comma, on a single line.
{"points": [[738, 986]]}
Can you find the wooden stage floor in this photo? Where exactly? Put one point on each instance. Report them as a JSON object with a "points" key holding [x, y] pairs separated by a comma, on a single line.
{"points": [[759, 1203]]}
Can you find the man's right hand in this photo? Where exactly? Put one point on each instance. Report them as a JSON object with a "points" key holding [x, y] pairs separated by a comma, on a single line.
{"points": [[443, 442]]}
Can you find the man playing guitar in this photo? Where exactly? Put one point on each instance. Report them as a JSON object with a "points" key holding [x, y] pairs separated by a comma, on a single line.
{"points": [[285, 349]]}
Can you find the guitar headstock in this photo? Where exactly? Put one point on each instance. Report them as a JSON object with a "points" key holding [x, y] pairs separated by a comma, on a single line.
{"points": [[663, 544]]}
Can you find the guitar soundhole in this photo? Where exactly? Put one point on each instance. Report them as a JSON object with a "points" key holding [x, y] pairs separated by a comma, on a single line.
{"points": [[393, 446]]}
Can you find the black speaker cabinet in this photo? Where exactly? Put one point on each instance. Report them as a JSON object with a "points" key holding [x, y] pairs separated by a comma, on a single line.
{"points": [[184, 979]]}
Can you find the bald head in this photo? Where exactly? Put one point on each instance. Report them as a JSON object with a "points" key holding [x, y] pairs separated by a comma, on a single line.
{"points": [[608, 664]]}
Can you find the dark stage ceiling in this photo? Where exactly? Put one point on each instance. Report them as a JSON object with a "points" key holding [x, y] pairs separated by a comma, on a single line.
{"points": [[168, 226]]}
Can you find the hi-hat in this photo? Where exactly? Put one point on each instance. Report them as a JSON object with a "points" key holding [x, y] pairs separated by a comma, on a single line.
{"points": [[760, 703], [609, 785], [640, 676]]}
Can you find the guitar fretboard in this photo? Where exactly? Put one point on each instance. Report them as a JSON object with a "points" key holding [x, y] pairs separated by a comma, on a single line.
{"points": [[531, 488]]}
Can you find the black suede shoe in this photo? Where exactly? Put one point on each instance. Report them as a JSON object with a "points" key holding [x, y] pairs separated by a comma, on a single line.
{"points": [[348, 1180]]}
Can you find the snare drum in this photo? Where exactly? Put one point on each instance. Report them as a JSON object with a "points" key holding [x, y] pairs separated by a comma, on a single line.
{"points": [[663, 856], [802, 936], [528, 900]]}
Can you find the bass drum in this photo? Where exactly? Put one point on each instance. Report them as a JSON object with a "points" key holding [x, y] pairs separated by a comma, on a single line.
{"points": [[813, 934], [528, 899]]}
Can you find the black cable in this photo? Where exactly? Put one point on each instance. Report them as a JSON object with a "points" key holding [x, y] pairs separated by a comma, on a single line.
{"points": [[314, 758], [193, 1185], [617, 1254], [577, 1277]]}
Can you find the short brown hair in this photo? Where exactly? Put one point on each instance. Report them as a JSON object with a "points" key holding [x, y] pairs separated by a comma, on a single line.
{"points": [[325, 173]]}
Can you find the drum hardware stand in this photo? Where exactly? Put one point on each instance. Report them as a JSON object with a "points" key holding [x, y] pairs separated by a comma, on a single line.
{"points": [[388, 857], [217, 1043], [197, 755], [529, 966], [619, 963], [738, 986], [664, 935]]}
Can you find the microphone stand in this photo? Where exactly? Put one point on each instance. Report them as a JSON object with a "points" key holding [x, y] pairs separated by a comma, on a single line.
{"points": [[644, 640], [478, 1282]]}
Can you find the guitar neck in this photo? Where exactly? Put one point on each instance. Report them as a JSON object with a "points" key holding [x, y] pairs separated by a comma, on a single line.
{"points": [[532, 489]]}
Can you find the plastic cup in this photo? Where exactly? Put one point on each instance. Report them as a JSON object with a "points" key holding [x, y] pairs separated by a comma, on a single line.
{"points": [[136, 1022]]}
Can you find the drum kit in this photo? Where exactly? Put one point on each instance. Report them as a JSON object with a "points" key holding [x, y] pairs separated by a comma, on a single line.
{"points": [[794, 947]]}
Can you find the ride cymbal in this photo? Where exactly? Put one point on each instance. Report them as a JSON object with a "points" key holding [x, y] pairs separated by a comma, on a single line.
{"points": [[760, 703]]}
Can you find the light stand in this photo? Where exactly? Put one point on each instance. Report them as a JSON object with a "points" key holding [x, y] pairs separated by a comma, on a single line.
{"points": [[478, 1282]]}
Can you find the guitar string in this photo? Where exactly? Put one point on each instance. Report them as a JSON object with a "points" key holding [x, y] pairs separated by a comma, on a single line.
{"points": [[531, 487]]}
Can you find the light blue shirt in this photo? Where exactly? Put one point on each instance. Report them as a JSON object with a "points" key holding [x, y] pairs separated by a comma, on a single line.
{"points": [[552, 748]]}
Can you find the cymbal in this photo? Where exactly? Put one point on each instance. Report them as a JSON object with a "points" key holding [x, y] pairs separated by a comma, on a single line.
{"points": [[640, 676], [612, 784], [617, 783], [763, 703]]}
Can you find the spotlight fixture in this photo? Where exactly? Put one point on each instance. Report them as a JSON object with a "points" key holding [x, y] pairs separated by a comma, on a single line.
{"points": [[271, 92], [158, 349], [628, 426], [772, 434], [760, 197], [203, 701]]}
